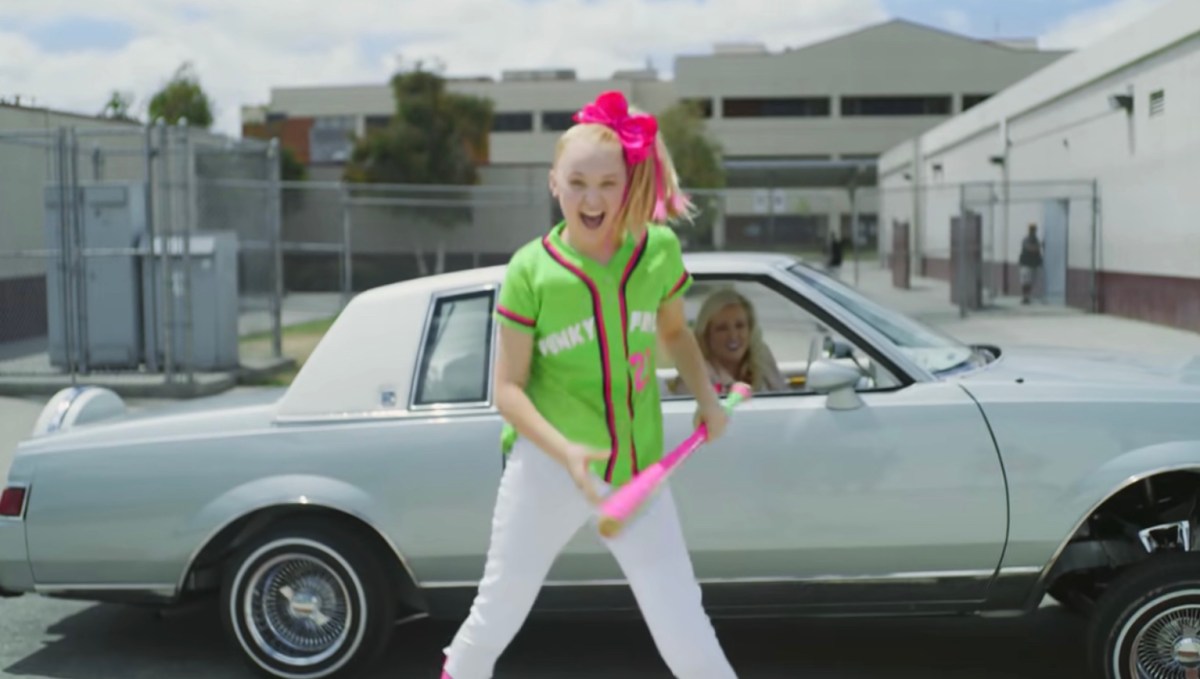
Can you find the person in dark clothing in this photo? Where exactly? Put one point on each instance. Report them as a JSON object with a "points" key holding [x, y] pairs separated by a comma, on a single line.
{"points": [[837, 247], [1030, 262]]}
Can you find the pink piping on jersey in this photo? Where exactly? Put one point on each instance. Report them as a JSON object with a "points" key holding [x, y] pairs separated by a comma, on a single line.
{"points": [[515, 316], [608, 407], [634, 260], [679, 283]]}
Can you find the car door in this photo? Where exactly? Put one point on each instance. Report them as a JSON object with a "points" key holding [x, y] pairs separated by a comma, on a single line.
{"points": [[900, 497]]}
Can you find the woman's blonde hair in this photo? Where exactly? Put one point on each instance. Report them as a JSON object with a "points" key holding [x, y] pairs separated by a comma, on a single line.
{"points": [[638, 207], [756, 364]]}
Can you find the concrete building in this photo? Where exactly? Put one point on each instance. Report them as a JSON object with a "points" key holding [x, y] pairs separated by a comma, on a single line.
{"points": [[1117, 118], [798, 127]]}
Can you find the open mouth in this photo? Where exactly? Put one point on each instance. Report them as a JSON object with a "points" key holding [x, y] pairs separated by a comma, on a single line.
{"points": [[592, 221]]}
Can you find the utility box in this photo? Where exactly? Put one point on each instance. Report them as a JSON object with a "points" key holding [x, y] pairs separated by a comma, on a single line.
{"points": [[213, 330], [966, 261], [93, 297]]}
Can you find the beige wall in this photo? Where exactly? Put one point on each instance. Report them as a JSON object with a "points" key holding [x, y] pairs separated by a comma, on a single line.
{"points": [[894, 58], [891, 59], [28, 164]]}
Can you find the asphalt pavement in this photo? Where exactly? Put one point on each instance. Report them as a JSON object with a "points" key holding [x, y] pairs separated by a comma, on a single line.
{"points": [[48, 639]]}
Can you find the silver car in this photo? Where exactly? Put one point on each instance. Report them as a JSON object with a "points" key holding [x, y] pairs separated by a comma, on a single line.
{"points": [[897, 471]]}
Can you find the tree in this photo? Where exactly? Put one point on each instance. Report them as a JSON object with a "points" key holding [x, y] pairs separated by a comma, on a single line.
{"points": [[435, 137], [183, 97], [697, 158], [118, 106], [290, 167]]}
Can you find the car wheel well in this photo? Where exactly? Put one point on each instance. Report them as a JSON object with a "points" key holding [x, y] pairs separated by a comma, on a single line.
{"points": [[1144, 518], [206, 570]]}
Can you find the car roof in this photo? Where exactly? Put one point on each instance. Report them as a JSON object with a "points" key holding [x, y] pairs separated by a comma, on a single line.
{"points": [[696, 262]]}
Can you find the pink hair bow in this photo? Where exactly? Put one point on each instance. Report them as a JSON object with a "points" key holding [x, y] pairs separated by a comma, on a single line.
{"points": [[637, 133]]}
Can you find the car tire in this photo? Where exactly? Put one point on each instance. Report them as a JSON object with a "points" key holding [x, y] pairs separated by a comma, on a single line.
{"points": [[307, 599], [1148, 621]]}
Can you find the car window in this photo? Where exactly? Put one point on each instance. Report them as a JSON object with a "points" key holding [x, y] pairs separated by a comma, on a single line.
{"points": [[933, 349], [456, 352], [787, 338]]}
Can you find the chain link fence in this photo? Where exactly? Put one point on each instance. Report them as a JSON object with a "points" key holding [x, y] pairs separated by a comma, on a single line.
{"points": [[114, 267], [971, 234], [177, 257]]}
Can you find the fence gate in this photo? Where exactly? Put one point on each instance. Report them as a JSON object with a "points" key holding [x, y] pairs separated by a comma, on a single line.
{"points": [[108, 269]]}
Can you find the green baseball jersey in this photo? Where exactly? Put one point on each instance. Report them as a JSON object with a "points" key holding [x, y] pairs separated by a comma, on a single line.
{"points": [[592, 374]]}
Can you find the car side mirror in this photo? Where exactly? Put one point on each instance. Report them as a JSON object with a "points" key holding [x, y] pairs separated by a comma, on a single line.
{"points": [[837, 348], [837, 381]]}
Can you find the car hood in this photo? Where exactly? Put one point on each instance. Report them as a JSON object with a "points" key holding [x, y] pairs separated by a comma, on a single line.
{"points": [[1075, 366]]}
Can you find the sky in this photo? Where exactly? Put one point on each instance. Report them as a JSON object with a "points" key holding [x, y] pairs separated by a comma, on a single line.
{"points": [[71, 54]]}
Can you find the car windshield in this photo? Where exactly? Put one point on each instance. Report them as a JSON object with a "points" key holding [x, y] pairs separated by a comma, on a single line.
{"points": [[935, 351]]}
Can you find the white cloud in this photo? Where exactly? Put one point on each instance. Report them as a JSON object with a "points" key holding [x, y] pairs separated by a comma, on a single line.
{"points": [[1087, 26], [243, 48]]}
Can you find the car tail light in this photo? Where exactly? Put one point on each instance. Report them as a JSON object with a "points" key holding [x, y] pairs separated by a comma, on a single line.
{"points": [[12, 501]]}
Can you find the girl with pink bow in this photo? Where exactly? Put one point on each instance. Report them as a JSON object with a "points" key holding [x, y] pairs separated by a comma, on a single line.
{"points": [[582, 312]]}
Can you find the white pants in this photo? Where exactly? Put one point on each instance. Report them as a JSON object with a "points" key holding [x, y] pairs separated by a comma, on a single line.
{"points": [[538, 510]]}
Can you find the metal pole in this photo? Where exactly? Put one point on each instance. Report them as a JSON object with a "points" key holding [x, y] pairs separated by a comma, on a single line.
{"points": [[854, 229], [168, 236], [961, 267], [189, 215], [79, 264], [1095, 246], [996, 264], [347, 253], [275, 225], [148, 265], [64, 254]]}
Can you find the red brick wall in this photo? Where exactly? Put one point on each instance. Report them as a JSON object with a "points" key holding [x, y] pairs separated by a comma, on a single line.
{"points": [[1167, 300]]}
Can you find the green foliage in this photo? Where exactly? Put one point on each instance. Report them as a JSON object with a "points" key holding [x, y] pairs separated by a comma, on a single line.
{"points": [[697, 158], [183, 97], [118, 106], [435, 137], [290, 167]]}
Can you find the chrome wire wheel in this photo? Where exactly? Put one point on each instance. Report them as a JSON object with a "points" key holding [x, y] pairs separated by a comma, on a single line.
{"points": [[298, 609], [1166, 645], [1160, 639]]}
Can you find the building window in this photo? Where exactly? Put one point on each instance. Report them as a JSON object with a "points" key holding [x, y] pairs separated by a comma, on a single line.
{"points": [[557, 121], [791, 107], [897, 106], [331, 139], [1158, 103], [972, 100], [512, 122]]}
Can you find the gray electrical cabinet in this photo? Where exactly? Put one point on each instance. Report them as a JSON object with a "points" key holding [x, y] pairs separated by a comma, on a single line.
{"points": [[213, 262], [93, 298]]}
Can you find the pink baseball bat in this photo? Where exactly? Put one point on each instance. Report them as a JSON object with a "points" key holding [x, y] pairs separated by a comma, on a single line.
{"points": [[620, 507]]}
